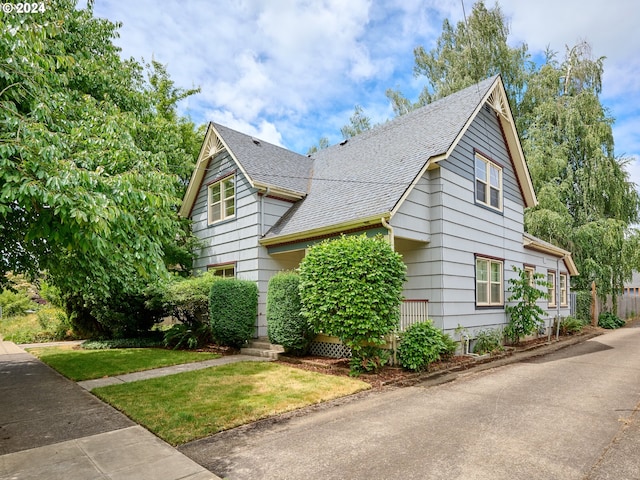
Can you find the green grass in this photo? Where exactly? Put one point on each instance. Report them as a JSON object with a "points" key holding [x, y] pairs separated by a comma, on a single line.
{"points": [[88, 364], [191, 405]]}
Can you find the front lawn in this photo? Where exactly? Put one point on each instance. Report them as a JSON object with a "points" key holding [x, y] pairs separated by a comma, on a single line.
{"points": [[187, 406], [89, 364]]}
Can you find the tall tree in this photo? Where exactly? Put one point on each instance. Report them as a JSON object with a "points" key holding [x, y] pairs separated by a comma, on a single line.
{"points": [[89, 177], [569, 145], [586, 200], [464, 55]]}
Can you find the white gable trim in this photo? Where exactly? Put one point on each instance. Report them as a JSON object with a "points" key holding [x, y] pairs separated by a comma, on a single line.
{"points": [[496, 97]]}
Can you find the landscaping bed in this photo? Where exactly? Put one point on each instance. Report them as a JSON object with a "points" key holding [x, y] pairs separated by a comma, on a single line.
{"points": [[390, 375]]}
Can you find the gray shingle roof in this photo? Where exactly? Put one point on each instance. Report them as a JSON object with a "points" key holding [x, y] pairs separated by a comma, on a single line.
{"points": [[369, 174], [267, 163]]}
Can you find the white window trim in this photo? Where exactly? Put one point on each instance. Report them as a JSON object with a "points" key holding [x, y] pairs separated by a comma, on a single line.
{"points": [[551, 279], [490, 262], [564, 292], [223, 203], [487, 200]]}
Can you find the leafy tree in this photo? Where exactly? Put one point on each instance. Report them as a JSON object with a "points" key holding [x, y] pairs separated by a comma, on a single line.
{"points": [[321, 145], [358, 123], [565, 132], [89, 171], [467, 54], [587, 201], [525, 316]]}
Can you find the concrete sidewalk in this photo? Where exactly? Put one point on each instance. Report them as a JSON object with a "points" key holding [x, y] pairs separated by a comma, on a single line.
{"points": [[164, 371], [52, 428]]}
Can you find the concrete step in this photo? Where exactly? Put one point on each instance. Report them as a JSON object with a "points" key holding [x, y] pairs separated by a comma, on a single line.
{"points": [[259, 352], [265, 345]]}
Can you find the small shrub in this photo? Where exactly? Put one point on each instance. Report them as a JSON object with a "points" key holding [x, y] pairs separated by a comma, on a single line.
{"points": [[286, 325], [488, 340], [187, 336], [368, 359], [46, 325], [233, 306], [422, 344], [610, 321], [570, 326]]}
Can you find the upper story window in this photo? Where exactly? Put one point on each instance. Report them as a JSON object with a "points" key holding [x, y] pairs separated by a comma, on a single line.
{"points": [[488, 183], [222, 199], [489, 282]]}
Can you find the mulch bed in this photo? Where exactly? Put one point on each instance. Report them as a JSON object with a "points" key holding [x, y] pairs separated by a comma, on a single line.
{"points": [[398, 376]]}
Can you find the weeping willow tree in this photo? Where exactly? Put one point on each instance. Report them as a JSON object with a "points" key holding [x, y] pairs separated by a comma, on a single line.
{"points": [[587, 201]]}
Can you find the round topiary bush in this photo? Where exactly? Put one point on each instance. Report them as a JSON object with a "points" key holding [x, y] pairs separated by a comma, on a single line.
{"points": [[233, 306], [286, 325], [351, 288]]}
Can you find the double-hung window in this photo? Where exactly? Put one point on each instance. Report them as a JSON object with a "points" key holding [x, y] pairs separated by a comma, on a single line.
{"points": [[564, 298], [488, 183], [551, 280], [222, 199], [489, 282]]}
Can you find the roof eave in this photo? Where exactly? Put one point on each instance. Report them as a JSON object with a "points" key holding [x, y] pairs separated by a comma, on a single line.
{"points": [[544, 247], [326, 230]]}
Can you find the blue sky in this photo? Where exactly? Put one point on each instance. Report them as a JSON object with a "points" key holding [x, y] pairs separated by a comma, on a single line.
{"points": [[291, 71]]}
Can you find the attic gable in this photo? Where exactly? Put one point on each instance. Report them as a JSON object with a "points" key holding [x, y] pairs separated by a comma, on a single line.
{"points": [[268, 168]]}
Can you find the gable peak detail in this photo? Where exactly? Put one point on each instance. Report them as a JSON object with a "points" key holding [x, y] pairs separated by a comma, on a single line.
{"points": [[213, 146]]}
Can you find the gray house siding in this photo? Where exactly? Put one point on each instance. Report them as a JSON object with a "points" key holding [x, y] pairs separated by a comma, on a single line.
{"points": [[462, 229]]}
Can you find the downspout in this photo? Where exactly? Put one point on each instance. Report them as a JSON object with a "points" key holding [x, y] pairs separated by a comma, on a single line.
{"points": [[391, 234], [262, 211], [557, 292]]}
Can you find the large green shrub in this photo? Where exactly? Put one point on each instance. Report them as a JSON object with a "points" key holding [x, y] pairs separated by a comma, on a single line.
{"points": [[525, 316], [351, 288], [15, 303], [188, 299], [286, 325], [233, 306], [421, 344]]}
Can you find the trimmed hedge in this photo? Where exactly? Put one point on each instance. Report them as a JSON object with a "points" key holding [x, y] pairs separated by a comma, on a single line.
{"points": [[351, 288], [286, 325], [233, 306]]}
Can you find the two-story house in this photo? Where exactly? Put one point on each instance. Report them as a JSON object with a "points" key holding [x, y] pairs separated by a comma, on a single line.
{"points": [[447, 184]]}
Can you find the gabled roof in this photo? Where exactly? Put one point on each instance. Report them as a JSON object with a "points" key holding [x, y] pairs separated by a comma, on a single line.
{"points": [[364, 179], [371, 174], [267, 167]]}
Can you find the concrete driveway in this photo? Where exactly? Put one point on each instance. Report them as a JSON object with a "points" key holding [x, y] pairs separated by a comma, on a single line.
{"points": [[570, 415]]}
